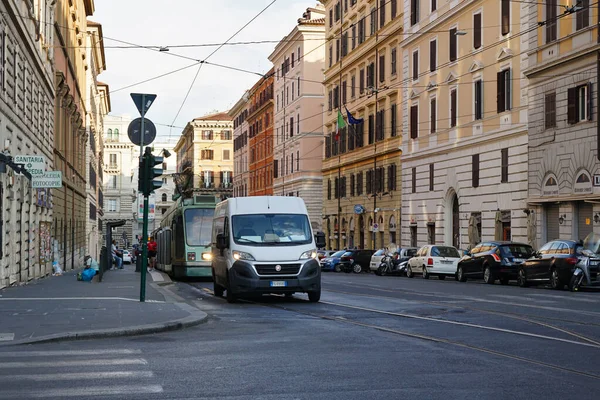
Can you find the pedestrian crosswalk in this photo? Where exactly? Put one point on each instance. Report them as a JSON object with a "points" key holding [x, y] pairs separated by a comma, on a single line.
{"points": [[93, 373]]}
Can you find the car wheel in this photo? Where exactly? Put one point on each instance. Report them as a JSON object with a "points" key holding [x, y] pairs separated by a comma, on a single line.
{"points": [[357, 268], [522, 278], [217, 289], [488, 277], [504, 281], [337, 268], [555, 281], [425, 273], [409, 273], [314, 296], [441, 277], [460, 275], [230, 297]]}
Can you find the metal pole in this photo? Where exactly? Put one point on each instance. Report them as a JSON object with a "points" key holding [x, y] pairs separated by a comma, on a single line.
{"points": [[145, 219]]}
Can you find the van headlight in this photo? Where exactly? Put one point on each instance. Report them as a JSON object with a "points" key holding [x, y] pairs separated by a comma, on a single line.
{"points": [[309, 254], [241, 255]]}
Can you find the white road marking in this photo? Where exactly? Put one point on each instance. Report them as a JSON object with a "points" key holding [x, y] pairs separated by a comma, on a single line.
{"points": [[510, 331], [573, 298], [5, 337], [69, 353], [156, 276], [70, 298], [73, 363], [83, 391], [73, 376]]}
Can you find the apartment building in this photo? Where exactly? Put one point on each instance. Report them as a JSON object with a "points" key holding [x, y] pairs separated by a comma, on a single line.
{"points": [[260, 129], [205, 156], [361, 166], [464, 121], [298, 143], [564, 147], [239, 114]]}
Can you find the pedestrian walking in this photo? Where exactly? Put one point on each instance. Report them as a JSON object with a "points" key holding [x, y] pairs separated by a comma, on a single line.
{"points": [[152, 249]]}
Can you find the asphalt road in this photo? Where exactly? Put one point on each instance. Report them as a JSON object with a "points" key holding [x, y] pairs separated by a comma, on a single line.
{"points": [[369, 338]]}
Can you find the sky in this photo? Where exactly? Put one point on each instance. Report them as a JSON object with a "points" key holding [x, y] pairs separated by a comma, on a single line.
{"points": [[183, 22]]}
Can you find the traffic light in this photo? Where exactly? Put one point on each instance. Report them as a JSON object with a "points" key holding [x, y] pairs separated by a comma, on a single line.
{"points": [[147, 184]]}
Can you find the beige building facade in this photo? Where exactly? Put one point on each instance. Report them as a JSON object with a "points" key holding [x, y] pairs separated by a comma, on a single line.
{"points": [[241, 165], [361, 170], [564, 148], [465, 119], [205, 156], [298, 125]]}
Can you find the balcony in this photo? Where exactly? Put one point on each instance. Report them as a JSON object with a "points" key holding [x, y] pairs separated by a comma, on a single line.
{"points": [[112, 168]]}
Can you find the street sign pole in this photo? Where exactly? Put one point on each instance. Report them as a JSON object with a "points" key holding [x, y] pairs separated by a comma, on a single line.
{"points": [[143, 106]]}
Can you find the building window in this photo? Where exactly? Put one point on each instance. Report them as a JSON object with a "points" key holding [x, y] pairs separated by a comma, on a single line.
{"points": [[338, 49], [551, 21], [505, 17], [164, 197], [453, 44], [415, 66], [504, 90], [330, 55], [413, 236], [579, 103], [353, 36], [352, 185], [382, 68], [373, 21], [113, 161], [361, 75], [394, 57], [432, 113], [353, 86], [344, 91], [393, 121], [359, 184], [392, 177], [331, 18], [432, 55], [394, 8], [112, 205], [475, 170], [382, 4], [431, 232], [414, 11], [298, 160], [291, 126], [292, 164], [226, 135], [478, 99], [433, 5], [583, 15], [371, 75], [453, 106], [298, 86], [226, 155], [504, 165], [431, 173], [329, 189], [477, 31], [371, 129], [207, 135], [550, 110], [414, 180], [362, 34], [206, 154], [414, 121]]}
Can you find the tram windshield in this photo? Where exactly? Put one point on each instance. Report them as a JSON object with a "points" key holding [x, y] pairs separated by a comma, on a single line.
{"points": [[271, 229], [198, 226]]}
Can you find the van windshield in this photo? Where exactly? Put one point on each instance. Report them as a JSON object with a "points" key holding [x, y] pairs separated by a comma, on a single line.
{"points": [[271, 229]]}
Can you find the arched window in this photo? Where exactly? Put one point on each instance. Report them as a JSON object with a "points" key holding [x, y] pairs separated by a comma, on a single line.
{"points": [[164, 197], [116, 135], [109, 134]]}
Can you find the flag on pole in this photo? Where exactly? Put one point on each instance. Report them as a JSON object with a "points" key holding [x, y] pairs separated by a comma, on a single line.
{"points": [[340, 124], [352, 120]]}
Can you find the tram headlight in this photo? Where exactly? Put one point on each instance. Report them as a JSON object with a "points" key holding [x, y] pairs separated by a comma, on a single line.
{"points": [[207, 256], [241, 255], [191, 256]]}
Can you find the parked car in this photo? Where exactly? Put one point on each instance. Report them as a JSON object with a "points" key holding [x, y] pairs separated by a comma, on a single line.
{"points": [[126, 257], [434, 260], [332, 263], [493, 261], [356, 260], [321, 254], [555, 261], [376, 259]]}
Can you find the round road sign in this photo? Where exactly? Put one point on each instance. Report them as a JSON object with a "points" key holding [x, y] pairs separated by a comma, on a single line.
{"points": [[134, 129]]}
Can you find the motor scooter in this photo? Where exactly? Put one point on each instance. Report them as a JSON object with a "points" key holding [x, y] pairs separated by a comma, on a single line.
{"points": [[391, 264]]}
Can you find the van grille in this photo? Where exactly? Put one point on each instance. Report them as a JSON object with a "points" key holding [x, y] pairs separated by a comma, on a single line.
{"points": [[269, 269]]}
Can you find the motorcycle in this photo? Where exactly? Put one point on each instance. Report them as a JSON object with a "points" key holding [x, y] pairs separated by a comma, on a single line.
{"points": [[586, 271], [391, 265], [576, 279]]}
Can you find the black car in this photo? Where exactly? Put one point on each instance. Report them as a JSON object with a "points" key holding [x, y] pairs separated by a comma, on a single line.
{"points": [[494, 260], [356, 260], [555, 262]]}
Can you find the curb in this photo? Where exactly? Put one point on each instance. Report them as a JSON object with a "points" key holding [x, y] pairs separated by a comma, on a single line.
{"points": [[196, 317]]}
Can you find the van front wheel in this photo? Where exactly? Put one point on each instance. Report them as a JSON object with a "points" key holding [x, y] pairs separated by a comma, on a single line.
{"points": [[314, 296]]}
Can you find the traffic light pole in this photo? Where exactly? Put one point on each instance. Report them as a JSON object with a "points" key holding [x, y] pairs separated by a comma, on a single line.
{"points": [[145, 220]]}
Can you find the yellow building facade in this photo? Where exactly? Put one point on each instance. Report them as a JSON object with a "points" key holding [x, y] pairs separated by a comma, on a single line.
{"points": [[361, 168]]}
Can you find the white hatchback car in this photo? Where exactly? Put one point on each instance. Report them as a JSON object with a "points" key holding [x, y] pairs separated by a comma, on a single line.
{"points": [[126, 257], [434, 260], [376, 259]]}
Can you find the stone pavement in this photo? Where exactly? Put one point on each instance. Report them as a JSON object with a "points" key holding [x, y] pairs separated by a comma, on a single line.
{"points": [[61, 308]]}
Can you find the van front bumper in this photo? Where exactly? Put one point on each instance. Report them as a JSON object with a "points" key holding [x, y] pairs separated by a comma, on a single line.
{"points": [[244, 280]]}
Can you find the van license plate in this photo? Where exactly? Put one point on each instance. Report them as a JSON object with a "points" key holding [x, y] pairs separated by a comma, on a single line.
{"points": [[278, 283]]}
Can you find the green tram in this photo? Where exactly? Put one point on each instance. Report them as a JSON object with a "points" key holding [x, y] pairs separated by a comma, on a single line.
{"points": [[184, 237]]}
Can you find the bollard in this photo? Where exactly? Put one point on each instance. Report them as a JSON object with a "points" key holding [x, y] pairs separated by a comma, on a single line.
{"points": [[103, 255], [138, 264]]}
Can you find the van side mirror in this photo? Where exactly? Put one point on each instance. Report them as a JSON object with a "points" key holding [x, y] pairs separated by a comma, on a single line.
{"points": [[320, 240], [222, 241]]}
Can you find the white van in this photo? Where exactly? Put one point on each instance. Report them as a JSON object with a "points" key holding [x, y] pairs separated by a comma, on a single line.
{"points": [[265, 244]]}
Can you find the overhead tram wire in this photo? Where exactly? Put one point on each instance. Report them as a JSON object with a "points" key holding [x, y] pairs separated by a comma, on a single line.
{"points": [[211, 54]]}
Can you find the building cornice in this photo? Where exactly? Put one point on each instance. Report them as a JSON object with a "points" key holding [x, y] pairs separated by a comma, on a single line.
{"points": [[533, 71]]}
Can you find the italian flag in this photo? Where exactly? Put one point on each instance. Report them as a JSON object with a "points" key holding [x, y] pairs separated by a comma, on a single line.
{"points": [[340, 124]]}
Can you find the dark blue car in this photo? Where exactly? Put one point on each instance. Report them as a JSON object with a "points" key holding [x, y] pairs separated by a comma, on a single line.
{"points": [[332, 262]]}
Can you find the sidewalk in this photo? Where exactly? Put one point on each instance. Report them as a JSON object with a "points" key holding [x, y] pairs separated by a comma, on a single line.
{"points": [[62, 308]]}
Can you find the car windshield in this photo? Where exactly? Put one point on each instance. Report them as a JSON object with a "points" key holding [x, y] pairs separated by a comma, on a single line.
{"points": [[198, 226], [271, 229], [516, 250], [379, 253], [443, 251], [338, 254]]}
